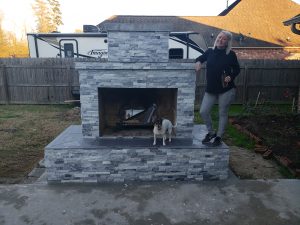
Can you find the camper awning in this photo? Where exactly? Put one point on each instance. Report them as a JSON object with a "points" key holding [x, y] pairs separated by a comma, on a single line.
{"points": [[294, 21]]}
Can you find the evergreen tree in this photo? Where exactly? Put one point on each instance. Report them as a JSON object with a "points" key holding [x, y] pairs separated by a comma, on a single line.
{"points": [[41, 11], [48, 15], [55, 13]]}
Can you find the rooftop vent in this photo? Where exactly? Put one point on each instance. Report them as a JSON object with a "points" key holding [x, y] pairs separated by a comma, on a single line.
{"points": [[90, 29]]}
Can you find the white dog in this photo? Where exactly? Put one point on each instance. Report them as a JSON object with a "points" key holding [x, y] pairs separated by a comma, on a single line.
{"points": [[162, 127]]}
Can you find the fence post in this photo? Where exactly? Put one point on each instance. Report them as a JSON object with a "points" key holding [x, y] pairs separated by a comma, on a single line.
{"points": [[245, 85], [5, 85]]}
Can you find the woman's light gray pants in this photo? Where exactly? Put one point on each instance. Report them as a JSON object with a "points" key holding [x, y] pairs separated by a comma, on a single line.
{"points": [[224, 101]]}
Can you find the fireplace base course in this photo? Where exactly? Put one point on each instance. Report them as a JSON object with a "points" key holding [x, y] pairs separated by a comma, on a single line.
{"points": [[72, 158]]}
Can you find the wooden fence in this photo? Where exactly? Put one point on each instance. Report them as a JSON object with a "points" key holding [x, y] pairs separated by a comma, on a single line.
{"points": [[52, 81], [270, 80], [37, 81]]}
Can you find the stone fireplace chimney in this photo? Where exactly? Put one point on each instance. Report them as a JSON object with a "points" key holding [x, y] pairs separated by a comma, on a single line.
{"points": [[138, 62], [128, 43], [136, 76]]}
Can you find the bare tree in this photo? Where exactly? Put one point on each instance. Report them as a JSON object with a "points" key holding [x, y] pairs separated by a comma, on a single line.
{"points": [[4, 43]]}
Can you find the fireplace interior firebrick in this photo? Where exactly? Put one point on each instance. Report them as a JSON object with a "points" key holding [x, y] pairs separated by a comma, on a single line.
{"points": [[132, 111]]}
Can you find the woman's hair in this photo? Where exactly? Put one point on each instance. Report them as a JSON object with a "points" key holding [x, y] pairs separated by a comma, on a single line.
{"points": [[229, 44]]}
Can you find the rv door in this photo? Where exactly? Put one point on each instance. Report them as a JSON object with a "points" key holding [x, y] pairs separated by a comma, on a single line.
{"points": [[68, 48]]}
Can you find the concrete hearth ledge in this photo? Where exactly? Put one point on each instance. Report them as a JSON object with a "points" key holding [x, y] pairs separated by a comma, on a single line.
{"points": [[72, 138], [72, 158]]}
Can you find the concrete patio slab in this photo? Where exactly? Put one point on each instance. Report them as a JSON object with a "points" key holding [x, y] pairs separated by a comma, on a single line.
{"points": [[232, 201]]}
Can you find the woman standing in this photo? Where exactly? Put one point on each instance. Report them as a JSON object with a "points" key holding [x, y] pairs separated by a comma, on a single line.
{"points": [[221, 69]]}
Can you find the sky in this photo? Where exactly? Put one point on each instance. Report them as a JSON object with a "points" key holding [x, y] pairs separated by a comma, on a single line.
{"points": [[18, 16]]}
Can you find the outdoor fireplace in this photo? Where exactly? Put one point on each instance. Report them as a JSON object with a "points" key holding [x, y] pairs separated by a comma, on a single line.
{"points": [[132, 111], [107, 87], [137, 75], [120, 98]]}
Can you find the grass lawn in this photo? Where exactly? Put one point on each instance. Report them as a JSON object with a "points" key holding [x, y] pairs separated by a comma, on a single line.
{"points": [[25, 130]]}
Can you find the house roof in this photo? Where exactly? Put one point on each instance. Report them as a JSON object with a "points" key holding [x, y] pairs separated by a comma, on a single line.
{"points": [[254, 23]]}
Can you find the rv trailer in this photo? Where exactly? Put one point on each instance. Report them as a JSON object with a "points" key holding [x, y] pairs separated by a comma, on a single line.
{"points": [[182, 45], [67, 45]]}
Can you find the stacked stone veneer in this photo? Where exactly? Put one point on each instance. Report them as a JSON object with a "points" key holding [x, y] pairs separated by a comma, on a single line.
{"points": [[138, 46], [95, 75], [71, 158], [136, 59]]}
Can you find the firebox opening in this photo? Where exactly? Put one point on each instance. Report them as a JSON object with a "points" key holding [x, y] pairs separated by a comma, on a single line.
{"points": [[132, 111]]}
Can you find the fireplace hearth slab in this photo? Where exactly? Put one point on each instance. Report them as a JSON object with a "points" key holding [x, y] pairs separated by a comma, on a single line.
{"points": [[72, 158]]}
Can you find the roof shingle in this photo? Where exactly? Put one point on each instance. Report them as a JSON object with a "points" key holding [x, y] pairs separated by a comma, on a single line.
{"points": [[254, 23]]}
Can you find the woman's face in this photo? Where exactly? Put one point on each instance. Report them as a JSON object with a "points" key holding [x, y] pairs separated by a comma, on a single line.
{"points": [[222, 41]]}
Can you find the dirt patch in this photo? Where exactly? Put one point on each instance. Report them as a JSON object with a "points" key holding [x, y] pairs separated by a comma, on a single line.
{"points": [[280, 134], [247, 164]]}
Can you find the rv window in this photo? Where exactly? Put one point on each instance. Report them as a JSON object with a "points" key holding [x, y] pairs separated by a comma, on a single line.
{"points": [[176, 53], [69, 50]]}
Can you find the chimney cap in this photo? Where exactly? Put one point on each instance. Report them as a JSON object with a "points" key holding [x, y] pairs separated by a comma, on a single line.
{"points": [[126, 27]]}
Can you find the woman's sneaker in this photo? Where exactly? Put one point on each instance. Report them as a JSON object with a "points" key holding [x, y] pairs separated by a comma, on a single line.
{"points": [[217, 141], [208, 138]]}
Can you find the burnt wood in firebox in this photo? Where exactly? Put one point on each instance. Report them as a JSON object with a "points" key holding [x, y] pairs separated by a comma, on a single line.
{"points": [[141, 119]]}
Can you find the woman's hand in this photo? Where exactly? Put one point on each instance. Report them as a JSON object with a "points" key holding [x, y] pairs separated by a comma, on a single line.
{"points": [[198, 66], [227, 79]]}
